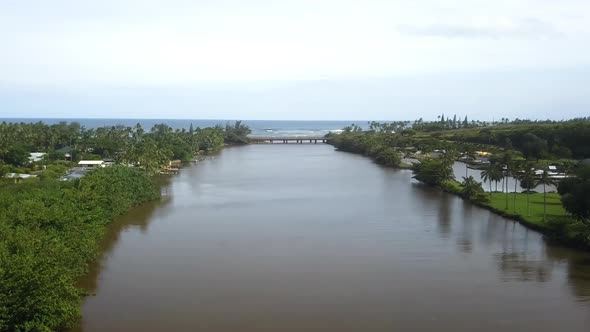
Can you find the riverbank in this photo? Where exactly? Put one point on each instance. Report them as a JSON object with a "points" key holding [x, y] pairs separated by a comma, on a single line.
{"points": [[556, 224], [49, 232], [233, 247]]}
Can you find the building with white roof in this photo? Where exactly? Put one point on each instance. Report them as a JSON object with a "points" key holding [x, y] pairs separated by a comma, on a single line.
{"points": [[91, 163]]}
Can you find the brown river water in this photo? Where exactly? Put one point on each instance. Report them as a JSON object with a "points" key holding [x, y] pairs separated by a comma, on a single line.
{"points": [[305, 238]]}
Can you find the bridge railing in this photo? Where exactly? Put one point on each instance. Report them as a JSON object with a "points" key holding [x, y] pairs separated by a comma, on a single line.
{"points": [[288, 139]]}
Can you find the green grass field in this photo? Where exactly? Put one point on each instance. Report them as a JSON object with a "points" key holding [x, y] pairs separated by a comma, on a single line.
{"points": [[554, 208]]}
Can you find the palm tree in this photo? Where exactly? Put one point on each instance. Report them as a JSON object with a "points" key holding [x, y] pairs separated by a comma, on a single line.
{"points": [[528, 180], [446, 170], [516, 173], [506, 165], [486, 176], [496, 174], [545, 180], [470, 187]]}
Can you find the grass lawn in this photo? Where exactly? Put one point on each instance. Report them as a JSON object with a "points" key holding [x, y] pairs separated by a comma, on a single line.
{"points": [[554, 208]]}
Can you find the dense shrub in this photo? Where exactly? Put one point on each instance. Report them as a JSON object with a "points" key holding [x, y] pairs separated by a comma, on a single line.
{"points": [[49, 231]]}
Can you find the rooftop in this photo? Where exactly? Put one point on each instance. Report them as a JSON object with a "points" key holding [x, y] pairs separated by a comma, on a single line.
{"points": [[90, 162]]}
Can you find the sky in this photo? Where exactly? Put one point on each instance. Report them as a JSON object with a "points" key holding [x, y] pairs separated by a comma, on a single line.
{"points": [[320, 59]]}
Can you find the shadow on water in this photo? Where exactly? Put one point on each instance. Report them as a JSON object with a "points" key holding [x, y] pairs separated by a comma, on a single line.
{"points": [[520, 254], [137, 217], [465, 241], [444, 215], [578, 270]]}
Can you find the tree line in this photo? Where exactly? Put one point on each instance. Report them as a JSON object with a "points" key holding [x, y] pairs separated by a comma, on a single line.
{"points": [[388, 147], [135, 146], [545, 140], [49, 231]]}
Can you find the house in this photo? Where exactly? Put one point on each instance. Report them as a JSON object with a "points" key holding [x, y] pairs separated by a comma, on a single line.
{"points": [[66, 150], [108, 162], [19, 176], [74, 173], [91, 163], [36, 157]]}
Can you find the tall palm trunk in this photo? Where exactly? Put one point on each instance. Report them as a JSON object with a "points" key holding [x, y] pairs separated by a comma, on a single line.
{"points": [[515, 183], [544, 202], [506, 192], [528, 206], [490, 188]]}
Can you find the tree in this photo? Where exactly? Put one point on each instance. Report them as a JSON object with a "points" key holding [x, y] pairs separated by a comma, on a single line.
{"points": [[545, 180], [432, 171], [388, 157], [506, 162], [533, 146], [575, 194], [16, 156], [236, 133], [487, 176], [497, 173], [516, 168], [49, 231], [528, 181], [471, 188]]}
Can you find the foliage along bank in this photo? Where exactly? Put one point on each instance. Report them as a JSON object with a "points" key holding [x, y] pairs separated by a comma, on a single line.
{"points": [[49, 232], [387, 147], [572, 229], [148, 149]]}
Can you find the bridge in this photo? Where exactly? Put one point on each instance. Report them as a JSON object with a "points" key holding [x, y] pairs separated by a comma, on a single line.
{"points": [[287, 139]]}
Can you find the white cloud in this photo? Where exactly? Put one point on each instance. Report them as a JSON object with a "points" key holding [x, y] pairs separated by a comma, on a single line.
{"points": [[71, 45], [486, 28], [182, 42]]}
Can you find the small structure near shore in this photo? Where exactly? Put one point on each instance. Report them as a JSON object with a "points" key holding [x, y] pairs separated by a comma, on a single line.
{"points": [[91, 163]]}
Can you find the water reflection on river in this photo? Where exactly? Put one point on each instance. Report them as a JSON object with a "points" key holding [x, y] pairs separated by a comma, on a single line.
{"points": [[303, 238]]}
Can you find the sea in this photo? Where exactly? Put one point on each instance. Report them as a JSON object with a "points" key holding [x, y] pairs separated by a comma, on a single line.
{"points": [[259, 127]]}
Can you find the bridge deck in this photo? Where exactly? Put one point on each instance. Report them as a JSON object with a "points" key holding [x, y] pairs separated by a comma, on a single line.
{"points": [[287, 139]]}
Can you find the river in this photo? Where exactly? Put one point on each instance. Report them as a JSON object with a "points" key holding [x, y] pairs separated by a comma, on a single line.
{"points": [[304, 238]]}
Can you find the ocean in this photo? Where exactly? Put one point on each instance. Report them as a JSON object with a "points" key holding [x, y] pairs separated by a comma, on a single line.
{"points": [[259, 127]]}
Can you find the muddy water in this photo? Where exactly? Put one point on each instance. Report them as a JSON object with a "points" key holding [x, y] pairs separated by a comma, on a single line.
{"points": [[303, 238]]}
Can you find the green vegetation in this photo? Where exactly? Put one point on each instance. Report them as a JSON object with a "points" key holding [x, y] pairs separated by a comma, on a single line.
{"points": [[518, 148], [49, 231], [575, 193], [434, 172], [236, 133], [471, 189], [535, 140], [67, 142]]}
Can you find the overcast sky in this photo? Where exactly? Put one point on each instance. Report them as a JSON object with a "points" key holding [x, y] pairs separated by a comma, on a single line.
{"points": [[320, 59]]}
